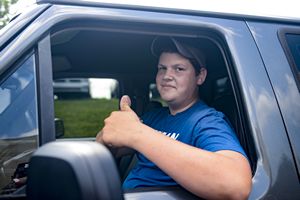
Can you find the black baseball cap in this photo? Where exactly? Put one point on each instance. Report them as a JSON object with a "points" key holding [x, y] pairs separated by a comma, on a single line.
{"points": [[183, 46]]}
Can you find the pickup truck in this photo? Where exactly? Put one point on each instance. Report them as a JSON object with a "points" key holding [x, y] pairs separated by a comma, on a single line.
{"points": [[253, 62]]}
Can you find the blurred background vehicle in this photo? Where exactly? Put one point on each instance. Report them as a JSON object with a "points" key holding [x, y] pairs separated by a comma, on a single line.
{"points": [[71, 87]]}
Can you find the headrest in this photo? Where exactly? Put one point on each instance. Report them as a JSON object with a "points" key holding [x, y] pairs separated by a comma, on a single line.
{"points": [[222, 87]]}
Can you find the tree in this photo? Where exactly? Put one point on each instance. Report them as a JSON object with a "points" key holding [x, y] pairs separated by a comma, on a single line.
{"points": [[4, 11]]}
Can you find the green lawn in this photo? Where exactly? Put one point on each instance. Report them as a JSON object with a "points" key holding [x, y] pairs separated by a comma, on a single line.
{"points": [[84, 118]]}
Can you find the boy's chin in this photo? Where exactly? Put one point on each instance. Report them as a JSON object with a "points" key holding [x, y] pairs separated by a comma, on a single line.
{"points": [[167, 98]]}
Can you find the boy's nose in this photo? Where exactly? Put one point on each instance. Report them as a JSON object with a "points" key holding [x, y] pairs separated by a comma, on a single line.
{"points": [[168, 75]]}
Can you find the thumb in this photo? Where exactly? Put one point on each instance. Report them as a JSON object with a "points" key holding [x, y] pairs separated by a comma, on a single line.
{"points": [[125, 103]]}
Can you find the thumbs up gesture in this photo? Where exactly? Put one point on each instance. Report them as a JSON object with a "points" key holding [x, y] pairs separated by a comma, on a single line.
{"points": [[125, 103], [120, 126]]}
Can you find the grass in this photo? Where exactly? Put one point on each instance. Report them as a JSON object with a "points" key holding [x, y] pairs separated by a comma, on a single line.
{"points": [[84, 118]]}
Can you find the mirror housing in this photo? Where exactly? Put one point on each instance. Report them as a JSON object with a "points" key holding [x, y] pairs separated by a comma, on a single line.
{"points": [[73, 170]]}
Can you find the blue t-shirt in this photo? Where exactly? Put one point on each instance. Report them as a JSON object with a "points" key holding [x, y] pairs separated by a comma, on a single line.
{"points": [[200, 126]]}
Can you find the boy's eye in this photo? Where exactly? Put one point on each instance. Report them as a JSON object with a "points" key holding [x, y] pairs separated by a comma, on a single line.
{"points": [[179, 69], [161, 68]]}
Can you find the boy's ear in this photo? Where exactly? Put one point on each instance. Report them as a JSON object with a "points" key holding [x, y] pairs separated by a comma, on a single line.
{"points": [[202, 76]]}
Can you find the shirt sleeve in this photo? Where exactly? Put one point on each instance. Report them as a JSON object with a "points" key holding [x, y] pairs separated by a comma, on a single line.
{"points": [[213, 133]]}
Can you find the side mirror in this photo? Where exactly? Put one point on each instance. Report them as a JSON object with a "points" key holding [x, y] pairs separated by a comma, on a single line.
{"points": [[59, 128], [73, 170]]}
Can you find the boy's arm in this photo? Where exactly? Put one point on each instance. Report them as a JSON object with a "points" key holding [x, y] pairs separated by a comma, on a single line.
{"points": [[211, 175]]}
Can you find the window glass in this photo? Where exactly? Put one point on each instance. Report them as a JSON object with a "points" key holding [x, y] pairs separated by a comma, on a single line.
{"points": [[18, 122], [82, 104], [293, 41]]}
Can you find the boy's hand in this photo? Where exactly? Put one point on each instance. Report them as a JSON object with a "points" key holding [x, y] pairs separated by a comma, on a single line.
{"points": [[121, 126]]}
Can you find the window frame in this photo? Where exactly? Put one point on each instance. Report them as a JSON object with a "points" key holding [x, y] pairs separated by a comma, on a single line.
{"points": [[45, 91], [211, 34]]}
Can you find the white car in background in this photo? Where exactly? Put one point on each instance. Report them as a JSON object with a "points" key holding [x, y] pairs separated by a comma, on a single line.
{"points": [[71, 87]]}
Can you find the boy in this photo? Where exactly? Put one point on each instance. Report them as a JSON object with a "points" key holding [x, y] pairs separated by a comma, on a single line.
{"points": [[187, 143]]}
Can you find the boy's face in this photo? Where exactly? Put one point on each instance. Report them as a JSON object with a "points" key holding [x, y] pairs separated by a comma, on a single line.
{"points": [[176, 80]]}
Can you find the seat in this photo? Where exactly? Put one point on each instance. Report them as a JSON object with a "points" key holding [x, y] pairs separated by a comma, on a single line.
{"points": [[73, 170], [223, 100]]}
